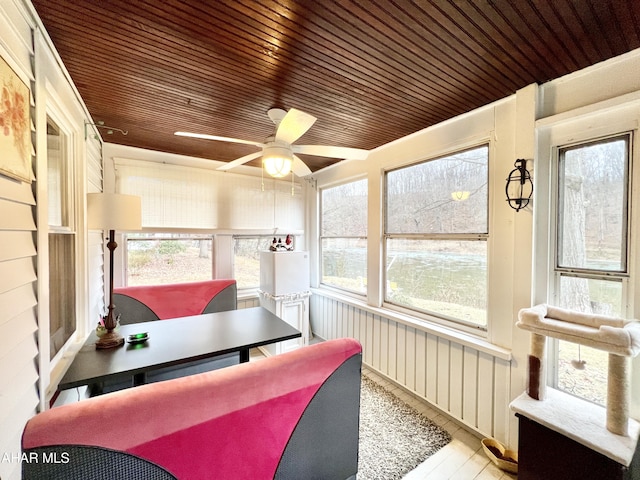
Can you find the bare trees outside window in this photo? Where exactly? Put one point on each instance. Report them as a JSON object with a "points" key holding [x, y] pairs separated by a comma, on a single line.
{"points": [[162, 258], [591, 250], [343, 236], [246, 258], [436, 231]]}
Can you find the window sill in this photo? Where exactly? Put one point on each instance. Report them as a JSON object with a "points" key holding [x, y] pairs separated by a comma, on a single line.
{"points": [[422, 325], [61, 365]]}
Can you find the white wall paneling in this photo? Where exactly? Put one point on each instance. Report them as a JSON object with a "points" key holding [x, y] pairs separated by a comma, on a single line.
{"points": [[16, 272], [25, 369], [18, 299], [467, 383]]}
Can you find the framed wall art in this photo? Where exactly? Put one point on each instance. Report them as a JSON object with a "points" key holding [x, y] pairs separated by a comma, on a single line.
{"points": [[15, 130]]}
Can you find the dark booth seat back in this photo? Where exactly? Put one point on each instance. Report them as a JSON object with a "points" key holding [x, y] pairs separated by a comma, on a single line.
{"points": [[159, 302]]}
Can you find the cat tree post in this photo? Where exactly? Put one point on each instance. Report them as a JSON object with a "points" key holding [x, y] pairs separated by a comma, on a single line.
{"points": [[537, 386], [618, 395]]}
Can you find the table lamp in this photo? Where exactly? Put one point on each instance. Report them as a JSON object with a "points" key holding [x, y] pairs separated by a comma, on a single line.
{"points": [[112, 211]]}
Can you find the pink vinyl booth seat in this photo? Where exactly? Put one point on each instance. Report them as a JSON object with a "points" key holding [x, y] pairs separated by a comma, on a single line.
{"points": [[290, 416], [158, 302]]}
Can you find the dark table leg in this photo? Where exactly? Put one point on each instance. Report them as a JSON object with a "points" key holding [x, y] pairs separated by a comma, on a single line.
{"points": [[244, 355], [139, 379], [96, 389]]}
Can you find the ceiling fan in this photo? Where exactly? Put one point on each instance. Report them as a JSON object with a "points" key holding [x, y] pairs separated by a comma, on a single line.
{"points": [[278, 152]]}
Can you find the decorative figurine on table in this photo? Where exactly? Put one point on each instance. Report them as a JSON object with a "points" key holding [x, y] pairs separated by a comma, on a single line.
{"points": [[288, 243], [274, 245], [101, 329]]}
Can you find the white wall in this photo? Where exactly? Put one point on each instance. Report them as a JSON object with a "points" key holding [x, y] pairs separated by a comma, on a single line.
{"points": [[56, 97], [18, 298], [27, 376], [460, 373]]}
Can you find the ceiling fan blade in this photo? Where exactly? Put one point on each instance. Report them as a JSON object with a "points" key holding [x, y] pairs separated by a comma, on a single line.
{"points": [[239, 161], [332, 152], [294, 124], [299, 168], [215, 137]]}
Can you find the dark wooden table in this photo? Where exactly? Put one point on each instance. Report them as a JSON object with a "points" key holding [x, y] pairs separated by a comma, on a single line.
{"points": [[177, 341]]}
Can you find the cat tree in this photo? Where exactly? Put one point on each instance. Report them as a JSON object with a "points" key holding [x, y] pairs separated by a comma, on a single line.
{"points": [[562, 436], [619, 337]]}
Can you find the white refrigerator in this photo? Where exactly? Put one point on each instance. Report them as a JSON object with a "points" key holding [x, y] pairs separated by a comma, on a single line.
{"points": [[285, 291], [283, 273]]}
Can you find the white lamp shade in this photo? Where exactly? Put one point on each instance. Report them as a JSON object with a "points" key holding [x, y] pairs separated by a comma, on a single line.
{"points": [[114, 211]]}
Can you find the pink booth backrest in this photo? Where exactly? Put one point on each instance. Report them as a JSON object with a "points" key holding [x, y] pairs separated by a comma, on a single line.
{"points": [[238, 422]]}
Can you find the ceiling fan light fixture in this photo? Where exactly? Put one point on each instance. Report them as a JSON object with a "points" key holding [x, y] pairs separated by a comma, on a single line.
{"points": [[277, 161]]}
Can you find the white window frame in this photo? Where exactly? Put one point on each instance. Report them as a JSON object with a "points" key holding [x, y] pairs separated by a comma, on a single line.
{"points": [[559, 271], [616, 117], [68, 199], [222, 252], [68, 167], [51, 369], [458, 324], [337, 288]]}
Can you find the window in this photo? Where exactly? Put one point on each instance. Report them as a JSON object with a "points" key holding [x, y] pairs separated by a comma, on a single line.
{"points": [[195, 205], [246, 259], [436, 231], [343, 236], [590, 273], [161, 258], [62, 239]]}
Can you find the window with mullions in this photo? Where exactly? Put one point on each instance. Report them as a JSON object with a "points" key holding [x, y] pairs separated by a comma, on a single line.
{"points": [[343, 236], [591, 252], [62, 238], [436, 232]]}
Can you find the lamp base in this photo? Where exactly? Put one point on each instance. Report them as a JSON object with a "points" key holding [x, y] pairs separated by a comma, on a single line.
{"points": [[110, 339]]}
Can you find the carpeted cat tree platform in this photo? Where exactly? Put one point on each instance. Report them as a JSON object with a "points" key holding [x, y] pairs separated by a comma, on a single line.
{"points": [[567, 429]]}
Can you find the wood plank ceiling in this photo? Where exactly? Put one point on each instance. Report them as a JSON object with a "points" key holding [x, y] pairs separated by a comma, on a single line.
{"points": [[371, 71]]}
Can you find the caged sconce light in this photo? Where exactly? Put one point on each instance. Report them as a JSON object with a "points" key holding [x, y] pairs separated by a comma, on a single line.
{"points": [[519, 186]]}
